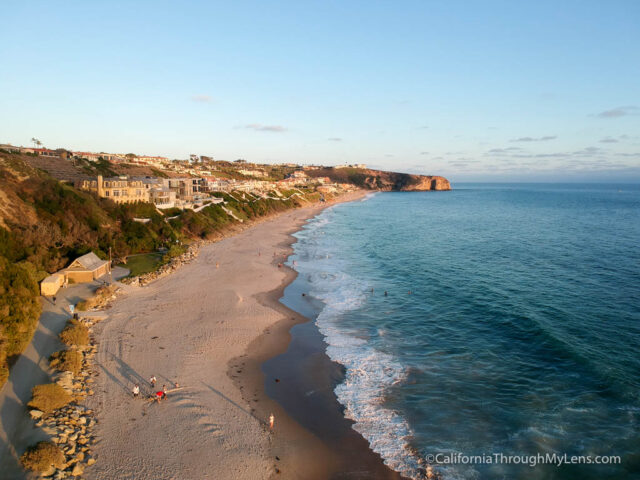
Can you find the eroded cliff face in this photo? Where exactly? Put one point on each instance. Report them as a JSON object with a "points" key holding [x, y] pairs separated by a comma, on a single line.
{"points": [[427, 183], [381, 180]]}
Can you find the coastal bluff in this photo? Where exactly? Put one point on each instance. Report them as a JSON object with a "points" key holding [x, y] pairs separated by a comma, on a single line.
{"points": [[381, 180]]}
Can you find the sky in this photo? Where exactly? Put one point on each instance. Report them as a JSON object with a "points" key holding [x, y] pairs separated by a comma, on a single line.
{"points": [[472, 90]]}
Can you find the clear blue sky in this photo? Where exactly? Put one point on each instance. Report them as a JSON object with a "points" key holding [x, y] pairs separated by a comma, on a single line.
{"points": [[515, 90]]}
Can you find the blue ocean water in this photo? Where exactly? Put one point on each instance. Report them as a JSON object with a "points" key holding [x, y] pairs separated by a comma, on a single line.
{"points": [[492, 319]]}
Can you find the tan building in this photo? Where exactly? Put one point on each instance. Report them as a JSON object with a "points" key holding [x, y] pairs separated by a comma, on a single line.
{"points": [[83, 269], [119, 189], [50, 285], [86, 268]]}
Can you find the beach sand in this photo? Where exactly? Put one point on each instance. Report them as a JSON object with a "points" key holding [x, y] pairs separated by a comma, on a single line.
{"points": [[209, 330]]}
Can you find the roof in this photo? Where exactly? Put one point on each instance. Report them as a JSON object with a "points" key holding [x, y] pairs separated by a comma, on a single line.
{"points": [[90, 261], [55, 278]]}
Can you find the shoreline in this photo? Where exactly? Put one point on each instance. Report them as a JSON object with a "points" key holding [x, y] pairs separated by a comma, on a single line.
{"points": [[231, 321], [344, 452]]}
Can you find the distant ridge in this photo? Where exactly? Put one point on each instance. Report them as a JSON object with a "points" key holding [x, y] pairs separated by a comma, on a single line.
{"points": [[382, 180]]}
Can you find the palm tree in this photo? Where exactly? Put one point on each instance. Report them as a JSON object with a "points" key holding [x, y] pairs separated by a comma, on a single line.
{"points": [[36, 142]]}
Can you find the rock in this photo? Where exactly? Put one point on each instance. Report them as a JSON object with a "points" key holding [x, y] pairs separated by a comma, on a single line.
{"points": [[77, 470], [91, 461], [35, 414], [80, 457]]}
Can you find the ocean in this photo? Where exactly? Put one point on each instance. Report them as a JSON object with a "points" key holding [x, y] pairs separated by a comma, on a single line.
{"points": [[486, 328]]}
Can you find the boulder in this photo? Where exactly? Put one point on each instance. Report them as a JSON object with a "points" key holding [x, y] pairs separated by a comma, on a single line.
{"points": [[77, 470], [35, 414]]}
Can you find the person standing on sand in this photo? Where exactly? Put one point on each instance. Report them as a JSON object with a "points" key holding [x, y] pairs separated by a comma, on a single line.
{"points": [[272, 419], [136, 390], [153, 380], [54, 300]]}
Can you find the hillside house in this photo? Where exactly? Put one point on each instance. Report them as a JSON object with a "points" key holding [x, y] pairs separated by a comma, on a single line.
{"points": [[119, 189]]}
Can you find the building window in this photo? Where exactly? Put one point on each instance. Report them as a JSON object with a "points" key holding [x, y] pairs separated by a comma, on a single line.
{"points": [[106, 193], [116, 193]]}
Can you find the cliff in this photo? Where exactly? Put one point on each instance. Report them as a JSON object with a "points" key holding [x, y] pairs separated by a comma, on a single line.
{"points": [[381, 180]]}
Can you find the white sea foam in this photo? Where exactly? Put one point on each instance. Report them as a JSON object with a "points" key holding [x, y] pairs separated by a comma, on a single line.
{"points": [[369, 372]]}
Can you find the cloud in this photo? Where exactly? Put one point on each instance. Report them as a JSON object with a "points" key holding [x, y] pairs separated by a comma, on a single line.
{"points": [[424, 153], [588, 151], [608, 140], [334, 139], [265, 128], [619, 112], [501, 151], [201, 99], [534, 139]]}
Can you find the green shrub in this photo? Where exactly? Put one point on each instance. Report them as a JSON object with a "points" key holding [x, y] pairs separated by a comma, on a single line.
{"points": [[19, 310], [67, 361], [42, 457], [49, 397], [75, 334]]}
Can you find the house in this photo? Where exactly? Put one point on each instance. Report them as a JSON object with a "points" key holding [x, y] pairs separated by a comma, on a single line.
{"points": [[183, 187], [162, 197], [83, 269], [214, 184], [252, 173], [86, 268], [119, 189]]}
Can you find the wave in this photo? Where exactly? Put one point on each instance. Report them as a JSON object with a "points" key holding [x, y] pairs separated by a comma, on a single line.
{"points": [[369, 373]]}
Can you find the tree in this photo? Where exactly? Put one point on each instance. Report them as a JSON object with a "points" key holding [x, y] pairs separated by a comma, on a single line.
{"points": [[36, 142]]}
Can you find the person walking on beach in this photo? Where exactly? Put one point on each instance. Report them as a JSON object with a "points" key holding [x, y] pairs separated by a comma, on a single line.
{"points": [[54, 300], [153, 380], [272, 419], [136, 390]]}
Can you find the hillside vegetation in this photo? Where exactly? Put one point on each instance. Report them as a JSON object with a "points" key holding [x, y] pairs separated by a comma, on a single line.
{"points": [[44, 224]]}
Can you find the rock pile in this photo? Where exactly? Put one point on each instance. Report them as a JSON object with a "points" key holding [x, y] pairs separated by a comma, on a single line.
{"points": [[71, 427]]}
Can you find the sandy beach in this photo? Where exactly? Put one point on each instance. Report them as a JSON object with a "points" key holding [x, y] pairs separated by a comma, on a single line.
{"points": [[208, 327]]}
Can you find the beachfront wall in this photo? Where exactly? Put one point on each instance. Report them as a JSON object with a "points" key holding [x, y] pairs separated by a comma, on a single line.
{"points": [[50, 285]]}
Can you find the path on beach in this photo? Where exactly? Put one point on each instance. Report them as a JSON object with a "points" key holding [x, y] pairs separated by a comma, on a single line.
{"points": [[17, 429]]}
